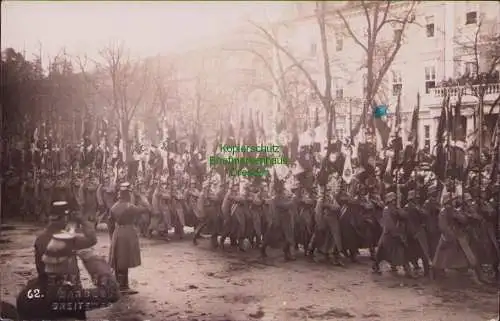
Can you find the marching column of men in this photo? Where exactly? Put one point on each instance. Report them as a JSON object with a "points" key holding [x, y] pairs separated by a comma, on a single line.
{"points": [[295, 207]]}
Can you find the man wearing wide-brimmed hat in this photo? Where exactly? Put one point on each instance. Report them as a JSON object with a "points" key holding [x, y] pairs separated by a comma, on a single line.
{"points": [[125, 252], [58, 220]]}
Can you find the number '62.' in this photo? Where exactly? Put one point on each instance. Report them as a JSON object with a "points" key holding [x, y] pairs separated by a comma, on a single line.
{"points": [[34, 294]]}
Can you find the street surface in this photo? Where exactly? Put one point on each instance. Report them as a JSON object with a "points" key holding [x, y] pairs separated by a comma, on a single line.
{"points": [[178, 281]]}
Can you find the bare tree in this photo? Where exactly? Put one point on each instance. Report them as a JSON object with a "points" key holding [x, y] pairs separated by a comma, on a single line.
{"points": [[122, 82], [162, 97], [380, 54], [484, 47], [280, 81], [324, 96]]}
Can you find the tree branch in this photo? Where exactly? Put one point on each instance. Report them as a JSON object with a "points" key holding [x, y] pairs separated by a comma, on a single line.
{"points": [[275, 43], [384, 17], [351, 32]]}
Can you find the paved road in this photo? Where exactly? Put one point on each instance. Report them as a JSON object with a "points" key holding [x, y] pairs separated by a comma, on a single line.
{"points": [[178, 281]]}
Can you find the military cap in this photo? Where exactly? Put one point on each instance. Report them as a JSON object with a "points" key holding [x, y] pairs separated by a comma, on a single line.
{"points": [[390, 197], [59, 210], [411, 195]]}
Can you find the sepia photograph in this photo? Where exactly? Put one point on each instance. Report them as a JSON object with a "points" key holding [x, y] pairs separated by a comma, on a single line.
{"points": [[250, 160]]}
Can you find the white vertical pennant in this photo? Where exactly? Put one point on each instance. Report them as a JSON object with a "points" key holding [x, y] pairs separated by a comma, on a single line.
{"points": [[347, 173], [443, 193]]}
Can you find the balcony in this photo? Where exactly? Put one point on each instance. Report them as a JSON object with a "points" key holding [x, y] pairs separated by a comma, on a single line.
{"points": [[466, 90]]}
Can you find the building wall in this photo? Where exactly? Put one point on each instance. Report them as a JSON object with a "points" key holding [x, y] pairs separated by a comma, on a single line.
{"points": [[440, 55]]}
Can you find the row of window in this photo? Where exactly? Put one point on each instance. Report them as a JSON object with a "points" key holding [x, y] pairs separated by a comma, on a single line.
{"points": [[470, 18], [397, 80]]}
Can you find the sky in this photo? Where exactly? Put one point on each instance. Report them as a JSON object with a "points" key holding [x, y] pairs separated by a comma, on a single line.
{"points": [[148, 28]]}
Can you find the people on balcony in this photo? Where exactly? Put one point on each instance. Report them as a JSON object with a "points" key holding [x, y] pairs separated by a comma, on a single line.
{"points": [[467, 78]]}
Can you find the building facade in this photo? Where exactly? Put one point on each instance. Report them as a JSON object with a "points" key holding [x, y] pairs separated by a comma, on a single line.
{"points": [[436, 51]]}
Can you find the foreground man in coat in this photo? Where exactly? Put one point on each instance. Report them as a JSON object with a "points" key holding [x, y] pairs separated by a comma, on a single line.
{"points": [[125, 252], [57, 295], [57, 221], [57, 292]]}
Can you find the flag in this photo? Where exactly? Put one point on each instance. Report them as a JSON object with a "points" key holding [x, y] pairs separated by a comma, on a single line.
{"points": [[294, 144], [458, 160], [413, 137], [380, 127], [231, 137], [410, 156], [218, 140], [36, 150], [347, 172], [101, 152], [440, 163], [396, 144], [251, 136], [87, 155], [444, 191], [172, 139], [117, 155]]}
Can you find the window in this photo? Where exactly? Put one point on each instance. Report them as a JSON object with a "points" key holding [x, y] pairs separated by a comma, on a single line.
{"points": [[471, 17], [313, 49], [429, 26], [470, 69], [339, 90], [427, 138], [430, 78], [339, 42], [397, 34], [397, 82], [339, 93]]}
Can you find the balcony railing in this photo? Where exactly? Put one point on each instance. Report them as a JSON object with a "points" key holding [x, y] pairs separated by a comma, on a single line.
{"points": [[465, 90]]}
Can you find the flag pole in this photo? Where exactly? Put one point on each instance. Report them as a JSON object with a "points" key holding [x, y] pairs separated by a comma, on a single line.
{"points": [[480, 140]]}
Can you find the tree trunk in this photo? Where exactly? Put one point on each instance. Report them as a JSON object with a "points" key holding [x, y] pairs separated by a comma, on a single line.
{"points": [[124, 128]]}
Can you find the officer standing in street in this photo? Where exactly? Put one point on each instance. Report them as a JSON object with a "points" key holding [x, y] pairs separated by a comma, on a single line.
{"points": [[125, 252]]}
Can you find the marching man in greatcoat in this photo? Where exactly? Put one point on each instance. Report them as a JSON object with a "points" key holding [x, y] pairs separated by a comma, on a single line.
{"points": [[125, 252], [392, 246]]}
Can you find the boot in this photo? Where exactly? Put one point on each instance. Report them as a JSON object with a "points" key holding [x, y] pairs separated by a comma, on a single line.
{"points": [[125, 289], [122, 278], [376, 268]]}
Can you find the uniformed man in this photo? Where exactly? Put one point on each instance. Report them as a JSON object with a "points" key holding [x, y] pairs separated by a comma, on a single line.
{"points": [[58, 220], [60, 295], [418, 247], [431, 210], [125, 252], [392, 246], [109, 197], [327, 215], [156, 215], [282, 220], [235, 225], [453, 250]]}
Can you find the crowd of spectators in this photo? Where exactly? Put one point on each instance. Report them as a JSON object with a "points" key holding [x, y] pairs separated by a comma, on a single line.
{"points": [[474, 79]]}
